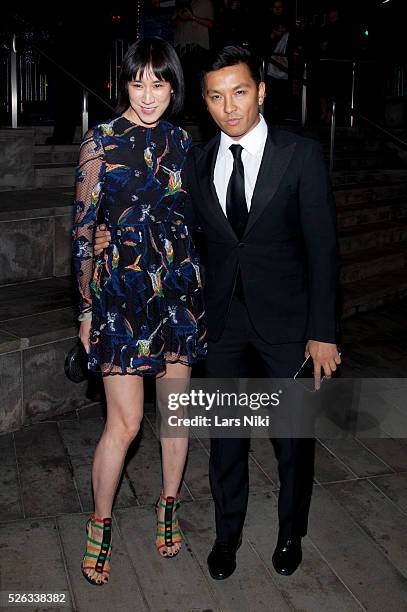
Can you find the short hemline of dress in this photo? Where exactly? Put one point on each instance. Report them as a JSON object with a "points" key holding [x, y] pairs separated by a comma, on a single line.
{"points": [[148, 371]]}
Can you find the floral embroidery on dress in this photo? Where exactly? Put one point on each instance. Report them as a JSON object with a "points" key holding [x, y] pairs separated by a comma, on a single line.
{"points": [[144, 291]]}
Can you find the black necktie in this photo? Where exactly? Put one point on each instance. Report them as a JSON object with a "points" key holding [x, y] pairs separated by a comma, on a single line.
{"points": [[236, 205]]}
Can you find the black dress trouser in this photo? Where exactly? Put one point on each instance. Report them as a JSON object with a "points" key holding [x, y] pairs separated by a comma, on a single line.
{"points": [[228, 465]]}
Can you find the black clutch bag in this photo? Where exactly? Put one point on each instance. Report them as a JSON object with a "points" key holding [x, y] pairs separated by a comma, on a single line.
{"points": [[76, 363]]}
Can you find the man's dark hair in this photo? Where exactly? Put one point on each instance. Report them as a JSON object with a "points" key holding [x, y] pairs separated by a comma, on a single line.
{"points": [[160, 56], [231, 55]]}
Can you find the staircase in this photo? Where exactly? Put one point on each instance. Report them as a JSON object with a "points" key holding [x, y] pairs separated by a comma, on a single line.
{"points": [[370, 186], [37, 320], [54, 164]]}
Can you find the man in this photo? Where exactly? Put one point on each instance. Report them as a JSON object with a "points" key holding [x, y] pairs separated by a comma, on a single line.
{"points": [[263, 199], [194, 21]]}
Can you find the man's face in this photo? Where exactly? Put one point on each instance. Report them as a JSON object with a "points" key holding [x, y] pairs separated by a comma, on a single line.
{"points": [[333, 16], [233, 98], [278, 8]]}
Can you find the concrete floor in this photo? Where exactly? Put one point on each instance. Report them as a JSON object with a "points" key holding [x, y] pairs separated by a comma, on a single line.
{"points": [[355, 554]]}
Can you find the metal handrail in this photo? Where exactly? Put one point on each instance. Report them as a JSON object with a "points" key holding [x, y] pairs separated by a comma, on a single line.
{"points": [[379, 128], [332, 137], [13, 88], [359, 115], [85, 88], [71, 76], [353, 112], [303, 79]]}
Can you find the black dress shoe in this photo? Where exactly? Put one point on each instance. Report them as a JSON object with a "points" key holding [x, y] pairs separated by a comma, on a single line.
{"points": [[287, 555], [222, 560]]}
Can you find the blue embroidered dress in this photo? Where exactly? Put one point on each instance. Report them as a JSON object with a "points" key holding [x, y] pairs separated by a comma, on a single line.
{"points": [[144, 291]]}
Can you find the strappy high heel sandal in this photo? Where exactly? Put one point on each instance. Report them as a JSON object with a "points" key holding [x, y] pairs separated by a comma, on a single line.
{"points": [[168, 532], [97, 554]]}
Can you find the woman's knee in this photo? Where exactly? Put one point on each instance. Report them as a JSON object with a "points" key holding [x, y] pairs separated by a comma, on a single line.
{"points": [[127, 432], [124, 430]]}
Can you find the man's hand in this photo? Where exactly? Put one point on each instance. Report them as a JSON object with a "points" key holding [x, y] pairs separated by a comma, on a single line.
{"points": [[102, 239], [325, 357]]}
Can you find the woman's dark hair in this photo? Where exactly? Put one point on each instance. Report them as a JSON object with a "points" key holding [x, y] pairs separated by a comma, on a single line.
{"points": [[156, 54], [231, 55]]}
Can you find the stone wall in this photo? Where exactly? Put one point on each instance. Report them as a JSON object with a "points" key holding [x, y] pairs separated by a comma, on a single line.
{"points": [[17, 158], [35, 242], [33, 385]]}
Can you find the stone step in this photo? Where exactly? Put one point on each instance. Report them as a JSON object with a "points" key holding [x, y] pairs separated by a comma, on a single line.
{"points": [[357, 152], [35, 298], [349, 152], [35, 227], [42, 132], [345, 149], [56, 154], [41, 328], [372, 235], [373, 212], [373, 262], [373, 292], [37, 328], [55, 175], [363, 160], [379, 175], [361, 193], [343, 135]]}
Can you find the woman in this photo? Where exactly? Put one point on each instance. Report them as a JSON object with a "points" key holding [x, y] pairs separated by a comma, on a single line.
{"points": [[141, 302]]}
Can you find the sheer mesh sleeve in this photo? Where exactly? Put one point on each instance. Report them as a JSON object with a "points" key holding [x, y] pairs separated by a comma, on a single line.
{"points": [[89, 177]]}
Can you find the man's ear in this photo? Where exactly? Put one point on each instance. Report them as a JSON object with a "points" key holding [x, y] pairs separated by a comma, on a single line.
{"points": [[262, 92]]}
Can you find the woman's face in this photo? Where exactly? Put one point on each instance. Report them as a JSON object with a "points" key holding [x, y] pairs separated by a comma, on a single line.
{"points": [[149, 98]]}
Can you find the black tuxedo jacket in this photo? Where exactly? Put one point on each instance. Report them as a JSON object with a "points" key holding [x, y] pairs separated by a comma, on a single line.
{"points": [[288, 255]]}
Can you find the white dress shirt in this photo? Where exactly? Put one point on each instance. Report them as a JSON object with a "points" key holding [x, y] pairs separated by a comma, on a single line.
{"points": [[253, 147]]}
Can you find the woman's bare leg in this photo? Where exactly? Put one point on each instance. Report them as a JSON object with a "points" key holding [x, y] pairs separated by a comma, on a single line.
{"points": [[125, 399], [174, 449]]}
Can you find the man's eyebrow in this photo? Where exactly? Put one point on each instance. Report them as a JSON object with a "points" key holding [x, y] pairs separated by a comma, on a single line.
{"points": [[235, 87]]}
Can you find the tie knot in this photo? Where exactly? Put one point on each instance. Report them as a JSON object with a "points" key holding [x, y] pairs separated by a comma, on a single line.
{"points": [[236, 151]]}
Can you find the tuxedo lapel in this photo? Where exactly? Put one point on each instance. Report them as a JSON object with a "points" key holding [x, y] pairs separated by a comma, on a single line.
{"points": [[272, 168], [206, 169]]}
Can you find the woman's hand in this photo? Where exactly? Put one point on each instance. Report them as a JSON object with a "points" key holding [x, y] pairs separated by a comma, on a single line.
{"points": [[84, 332]]}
